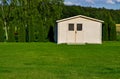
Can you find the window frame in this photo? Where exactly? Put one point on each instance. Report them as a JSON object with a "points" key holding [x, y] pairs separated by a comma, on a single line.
{"points": [[71, 27], [81, 27]]}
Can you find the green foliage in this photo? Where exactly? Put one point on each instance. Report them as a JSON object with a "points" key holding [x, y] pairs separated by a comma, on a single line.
{"points": [[109, 28], [1, 31], [112, 29], [105, 32], [21, 33], [30, 19], [11, 34]]}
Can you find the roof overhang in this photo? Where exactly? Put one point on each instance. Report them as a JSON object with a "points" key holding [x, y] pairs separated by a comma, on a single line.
{"points": [[85, 17]]}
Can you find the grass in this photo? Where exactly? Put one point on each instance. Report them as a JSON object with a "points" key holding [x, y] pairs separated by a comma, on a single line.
{"points": [[51, 61]]}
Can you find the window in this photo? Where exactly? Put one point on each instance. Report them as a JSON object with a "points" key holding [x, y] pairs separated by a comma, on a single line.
{"points": [[79, 27], [71, 27]]}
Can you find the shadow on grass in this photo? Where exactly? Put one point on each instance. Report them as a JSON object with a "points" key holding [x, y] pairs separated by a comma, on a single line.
{"points": [[5, 71], [108, 70]]}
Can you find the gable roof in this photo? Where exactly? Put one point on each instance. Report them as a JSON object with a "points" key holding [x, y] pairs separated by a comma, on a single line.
{"points": [[82, 16]]}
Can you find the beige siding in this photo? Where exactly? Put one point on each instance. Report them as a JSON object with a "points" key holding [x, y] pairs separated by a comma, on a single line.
{"points": [[118, 27], [62, 29], [92, 30]]}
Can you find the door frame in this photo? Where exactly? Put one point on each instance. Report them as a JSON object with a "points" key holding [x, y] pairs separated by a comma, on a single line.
{"points": [[75, 34]]}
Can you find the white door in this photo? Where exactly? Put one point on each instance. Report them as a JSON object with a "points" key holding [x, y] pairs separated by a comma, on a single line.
{"points": [[79, 34], [71, 33], [75, 33]]}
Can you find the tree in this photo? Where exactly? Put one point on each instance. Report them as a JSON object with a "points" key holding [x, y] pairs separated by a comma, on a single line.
{"points": [[5, 11]]}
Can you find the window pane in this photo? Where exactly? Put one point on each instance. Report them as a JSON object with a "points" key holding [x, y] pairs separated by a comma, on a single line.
{"points": [[79, 27], [71, 27]]}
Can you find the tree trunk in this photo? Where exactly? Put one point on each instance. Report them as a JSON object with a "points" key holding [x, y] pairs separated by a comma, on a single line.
{"points": [[6, 31], [5, 24]]}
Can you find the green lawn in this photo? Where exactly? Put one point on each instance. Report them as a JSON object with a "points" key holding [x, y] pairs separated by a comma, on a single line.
{"points": [[51, 61]]}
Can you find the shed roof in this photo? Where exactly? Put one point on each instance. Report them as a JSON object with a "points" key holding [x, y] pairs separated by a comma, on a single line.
{"points": [[82, 16]]}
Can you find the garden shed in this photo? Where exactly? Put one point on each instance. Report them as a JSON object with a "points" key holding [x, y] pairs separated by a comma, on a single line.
{"points": [[79, 30]]}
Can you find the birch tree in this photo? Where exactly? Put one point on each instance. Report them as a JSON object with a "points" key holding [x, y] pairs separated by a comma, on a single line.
{"points": [[4, 17]]}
